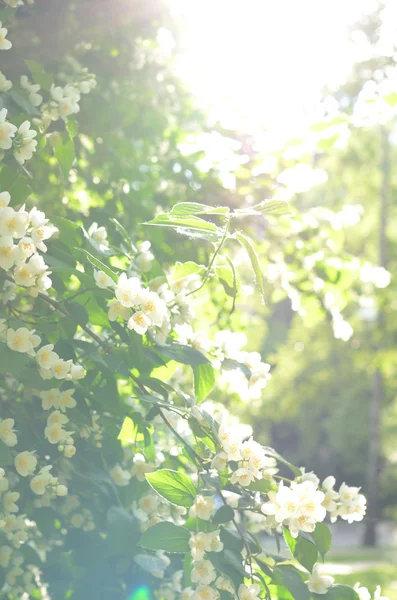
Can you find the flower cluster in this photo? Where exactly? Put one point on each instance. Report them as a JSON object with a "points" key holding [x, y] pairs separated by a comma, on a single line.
{"points": [[298, 506], [302, 505], [32, 89], [64, 101], [4, 43], [364, 594], [20, 139], [22, 237], [252, 461], [230, 345], [50, 365]]}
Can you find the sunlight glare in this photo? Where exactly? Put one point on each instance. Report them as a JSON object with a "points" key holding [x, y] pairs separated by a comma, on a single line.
{"points": [[264, 63]]}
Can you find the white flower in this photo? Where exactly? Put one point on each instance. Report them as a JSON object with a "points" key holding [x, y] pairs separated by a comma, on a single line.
{"points": [[244, 476], [120, 476], [16, 3], [330, 495], [219, 462], [99, 234], [362, 592], [249, 592], [148, 503], [231, 439], [224, 584], [213, 542], [5, 84], [45, 356], [19, 340], [5, 199], [41, 233], [49, 398], [23, 275], [57, 417], [60, 368], [65, 400], [55, 433], [9, 502], [145, 257], [61, 490], [377, 595], [8, 252], [317, 582], [154, 307], [203, 572], [77, 372], [5, 555], [24, 144], [25, 463], [33, 89], [116, 309], [39, 483], [7, 433], [4, 44], [141, 467], [11, 222], [102, 280], [205, 592], [353, 504], [203, 507], [139, 322], [310, 500], [129, 291], [198, 545], [26, 247]]}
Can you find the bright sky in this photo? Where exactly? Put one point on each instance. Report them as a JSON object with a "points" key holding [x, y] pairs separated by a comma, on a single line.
{"points": [[266, 60]]}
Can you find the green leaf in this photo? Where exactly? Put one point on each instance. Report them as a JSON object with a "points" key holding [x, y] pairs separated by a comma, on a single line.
{"points": [[174, 486], [78, 312], [187, 570], [293, 582], [194, 208], [227, 278], [150, 563], [182, 270], [24, 104], [166, 536], [39, 75], [262, 485], [183, 354], [16, 184], [5, 456], [98, 264], [273, 207], [191, 223], [338, 592], [230, 364], [322, 537], [302, 549], [204, 380], [231, 540], [68, 230], [64, 151], [223, 515], [128, 432], [246, 244], [72, 127]]}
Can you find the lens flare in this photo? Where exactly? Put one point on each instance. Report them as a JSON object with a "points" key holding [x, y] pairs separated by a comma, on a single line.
{"points": [[141, 593]]}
